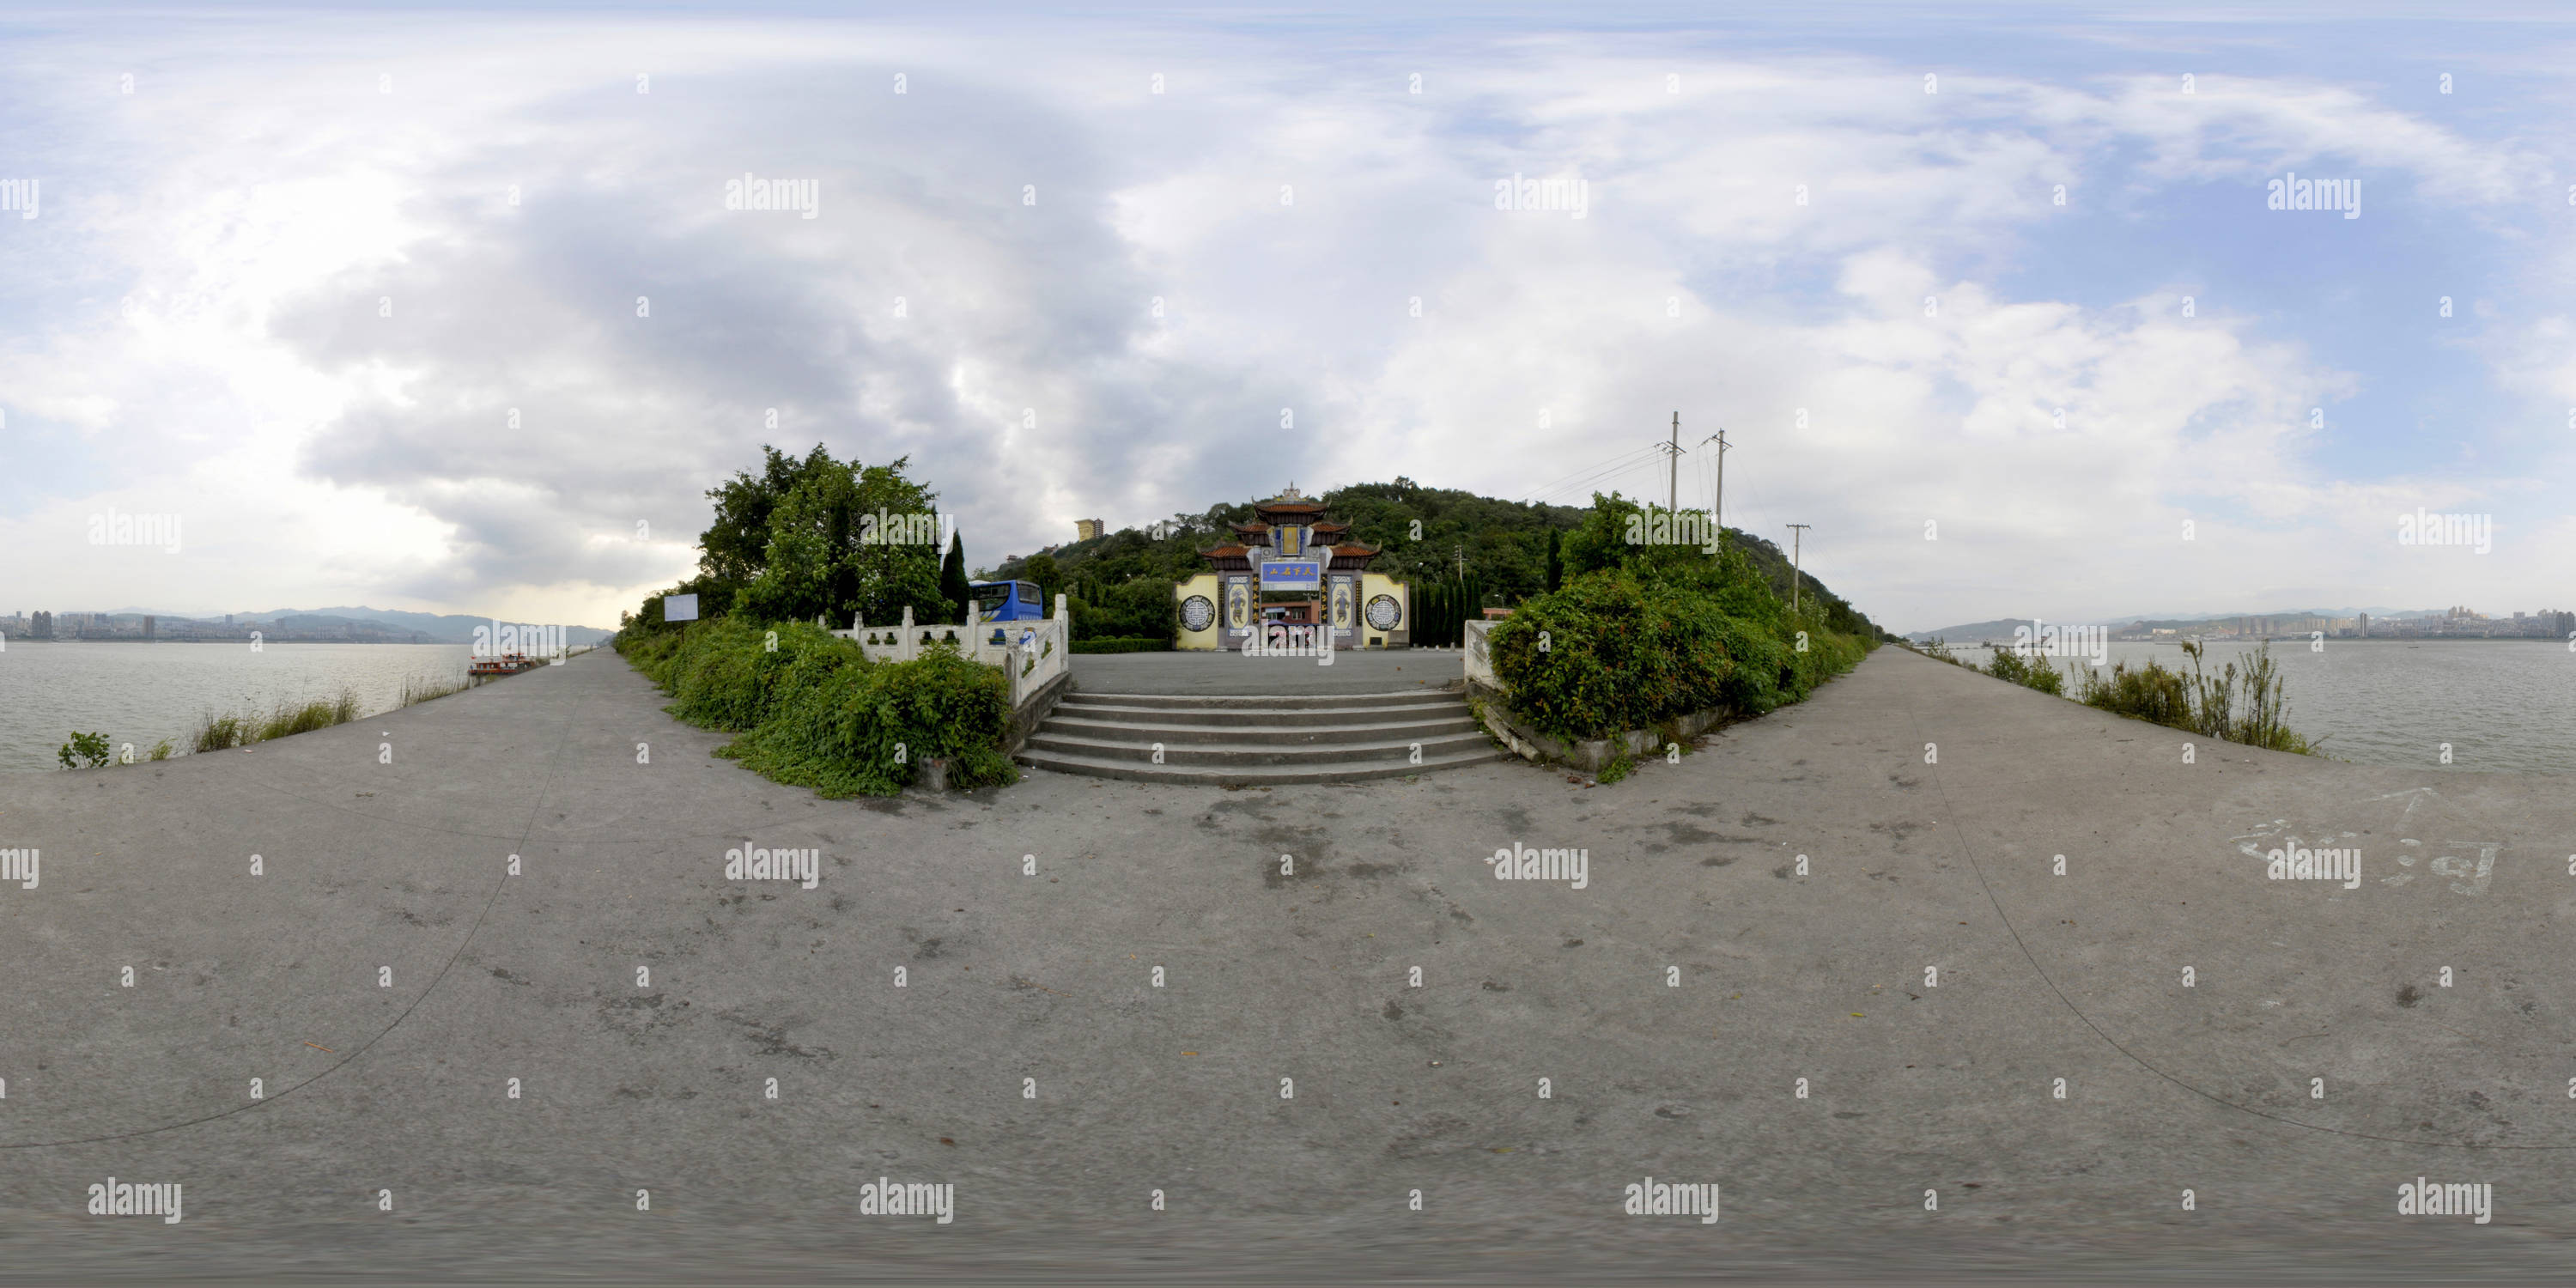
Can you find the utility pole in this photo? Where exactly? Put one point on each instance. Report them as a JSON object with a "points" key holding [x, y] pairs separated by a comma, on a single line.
{"points": [[1718, 519], [1673, 476], [1794, 543]]}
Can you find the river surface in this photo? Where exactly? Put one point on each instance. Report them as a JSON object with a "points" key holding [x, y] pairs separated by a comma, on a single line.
{"points": [[2505, 706], [142, 693], [2502, 705]]}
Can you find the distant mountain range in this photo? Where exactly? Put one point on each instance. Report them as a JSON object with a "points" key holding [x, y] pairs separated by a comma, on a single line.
{"points": [[442, 628]]}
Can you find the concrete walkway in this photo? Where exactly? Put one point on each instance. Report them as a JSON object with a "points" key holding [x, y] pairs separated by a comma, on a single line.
{"points": [[399, 1081]]}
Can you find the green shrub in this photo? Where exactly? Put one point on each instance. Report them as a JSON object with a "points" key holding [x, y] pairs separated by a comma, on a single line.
{"points": [[92, 748], [2265, 706], [2202, 703], [646, 650], [816, 712], [1610, 652], [2028, 672], [728, 674], [215, 733], [1128, 645], [218, 732], [161, 750], [423, 688], [2151, 693], [305, 717]]}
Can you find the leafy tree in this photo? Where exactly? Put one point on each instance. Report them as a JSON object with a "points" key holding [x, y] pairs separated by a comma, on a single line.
{"points": [[1043, 570], [817, 564], [1141, 608], [735, 547]]}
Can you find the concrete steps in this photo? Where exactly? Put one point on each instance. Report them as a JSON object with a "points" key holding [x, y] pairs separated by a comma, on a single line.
{"points": [[1248, 740]]}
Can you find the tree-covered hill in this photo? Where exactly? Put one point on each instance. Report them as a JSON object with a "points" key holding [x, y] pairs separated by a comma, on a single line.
{"points": [[795, 542], [1502, 546]]}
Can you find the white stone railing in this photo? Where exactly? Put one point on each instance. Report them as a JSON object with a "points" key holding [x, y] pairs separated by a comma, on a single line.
{"points": [[1034, 653], [905, 642], [1030, 654], [1480, 659]]}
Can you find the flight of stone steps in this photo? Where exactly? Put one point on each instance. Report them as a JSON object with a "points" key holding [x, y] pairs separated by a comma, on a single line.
{"points": [[1259, 740]]}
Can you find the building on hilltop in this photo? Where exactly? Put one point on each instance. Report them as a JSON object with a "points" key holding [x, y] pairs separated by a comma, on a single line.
{"points": [[1086, 529]]}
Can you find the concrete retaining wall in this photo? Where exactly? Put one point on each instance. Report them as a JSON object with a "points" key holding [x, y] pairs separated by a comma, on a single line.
{"points": [[1590, 755]]}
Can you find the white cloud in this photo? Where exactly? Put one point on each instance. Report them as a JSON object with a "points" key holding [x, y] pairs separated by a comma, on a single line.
{"points": [[261, 203]]}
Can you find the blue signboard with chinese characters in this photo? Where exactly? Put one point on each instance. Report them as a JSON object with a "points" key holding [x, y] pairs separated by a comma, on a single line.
{"points": [[1292, 574]]}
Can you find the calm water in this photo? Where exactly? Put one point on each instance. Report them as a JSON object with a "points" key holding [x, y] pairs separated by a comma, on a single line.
{"points": [[2503, 705], [142, 693], [2506, 706]]}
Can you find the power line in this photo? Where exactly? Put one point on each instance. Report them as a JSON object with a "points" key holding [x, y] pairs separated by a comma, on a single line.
{"points": [[1617, 465], [1570, 477], [1627, 460]]}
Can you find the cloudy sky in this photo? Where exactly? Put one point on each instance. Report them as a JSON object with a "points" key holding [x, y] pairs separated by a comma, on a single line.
{"points": [[2010, 278]]}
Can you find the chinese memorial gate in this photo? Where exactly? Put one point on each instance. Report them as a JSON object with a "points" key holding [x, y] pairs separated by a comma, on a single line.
{"points": [[1291, 575]]}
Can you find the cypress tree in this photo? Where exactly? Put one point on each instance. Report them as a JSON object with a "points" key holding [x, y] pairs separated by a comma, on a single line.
{"points": [[952, 576], [1555, 561]]}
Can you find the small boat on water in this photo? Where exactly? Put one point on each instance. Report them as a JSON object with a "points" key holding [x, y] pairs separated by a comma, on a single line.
{"points": [[505, 664]]}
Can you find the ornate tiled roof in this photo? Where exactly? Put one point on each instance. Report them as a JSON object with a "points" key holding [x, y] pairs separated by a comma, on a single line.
{"points": [[1295, 509]]}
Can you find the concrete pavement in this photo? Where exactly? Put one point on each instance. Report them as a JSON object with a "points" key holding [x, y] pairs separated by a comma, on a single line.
{"points": [[386, 976]]}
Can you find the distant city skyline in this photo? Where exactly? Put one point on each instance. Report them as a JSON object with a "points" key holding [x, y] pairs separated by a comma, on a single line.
{"points": [[282, 626], [2544, 623]]}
